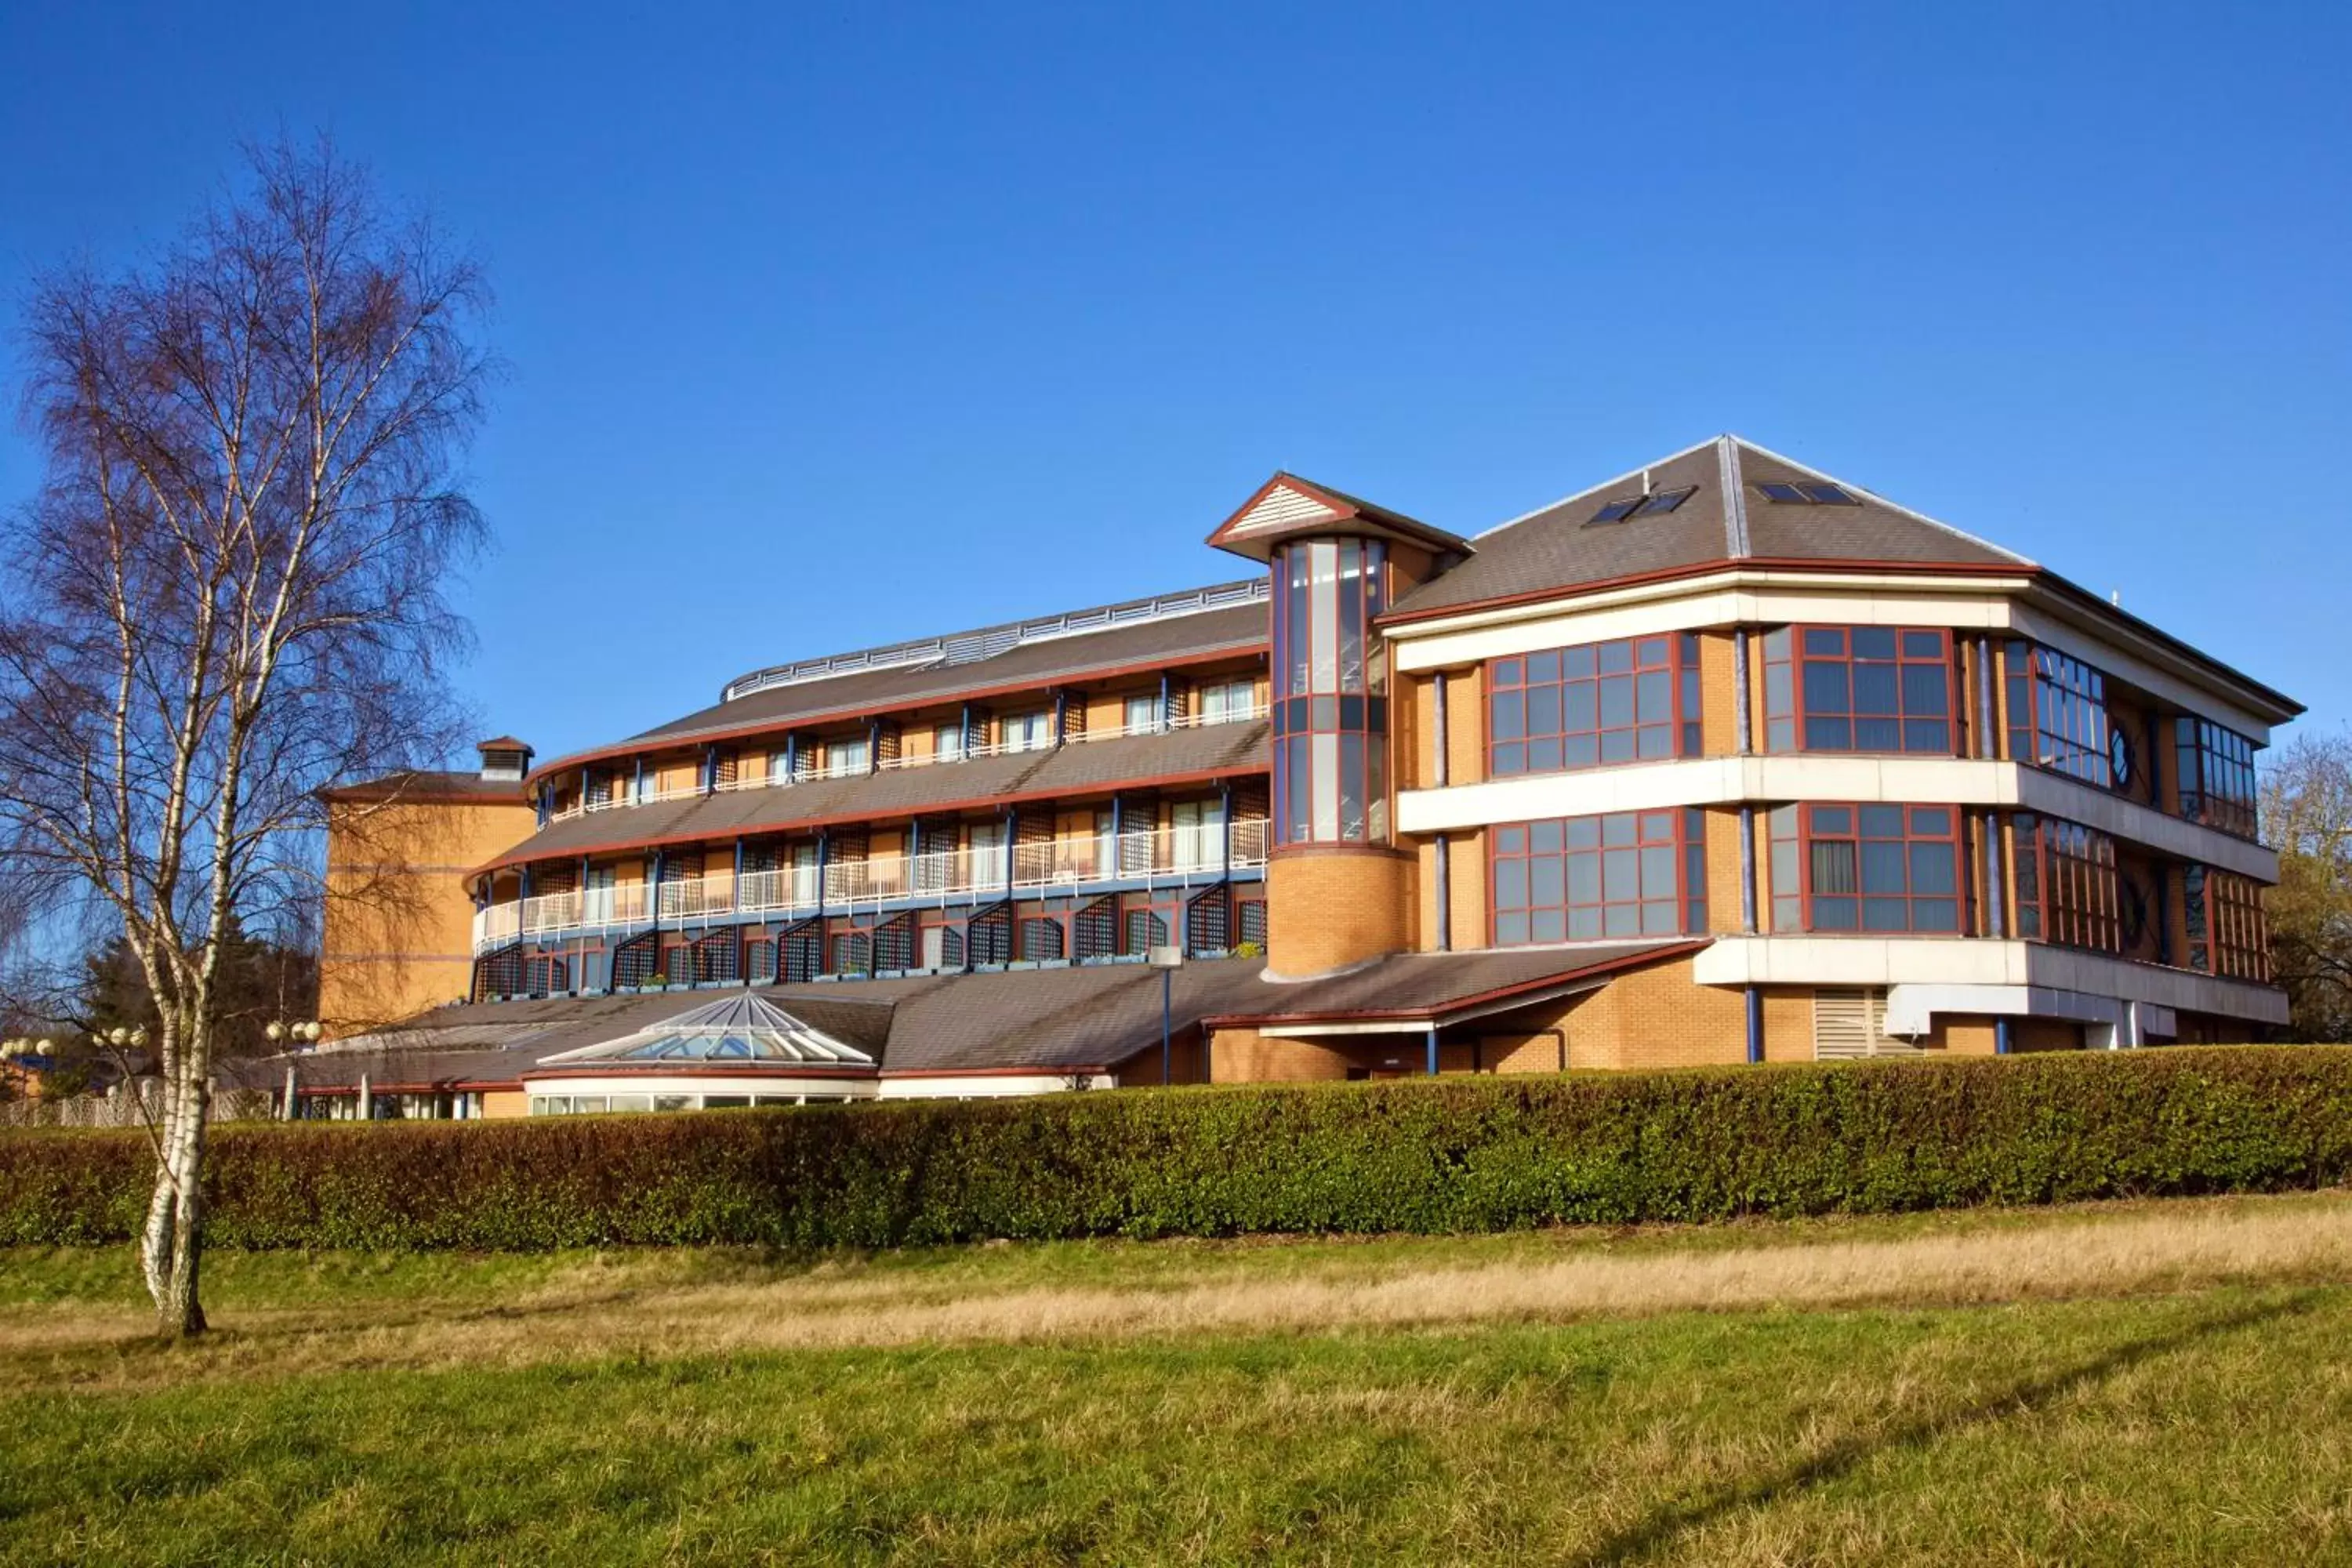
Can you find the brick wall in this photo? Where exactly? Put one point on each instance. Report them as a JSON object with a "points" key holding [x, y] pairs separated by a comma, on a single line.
{"points": [[1719, 694], [1329, 908], [1723, 909]]}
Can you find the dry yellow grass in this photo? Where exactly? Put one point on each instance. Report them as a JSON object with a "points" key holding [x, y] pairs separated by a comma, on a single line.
{"points": [[629, 1308]]}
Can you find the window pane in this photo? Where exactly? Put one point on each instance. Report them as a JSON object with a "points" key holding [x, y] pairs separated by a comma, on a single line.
{"points": [[1833, 869], [1543, 667], [1882, 867], [1510, 716], [1933, 868], [1543, 838], [1874, 642], [1825, 639], [1548, 925], [1925, 689], [1826, 689], [1876, 688]]}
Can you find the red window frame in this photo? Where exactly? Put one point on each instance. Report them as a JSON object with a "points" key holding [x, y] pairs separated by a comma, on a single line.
{"points": [[2228, 935], [2064, 884], [1536, 872], [2058, 713], [2216, 781], [1850, 840], [1544, 688], [1788, 722]]}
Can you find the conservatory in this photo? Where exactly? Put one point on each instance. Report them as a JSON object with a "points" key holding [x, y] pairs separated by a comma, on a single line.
{"points": [[739, 1051]]}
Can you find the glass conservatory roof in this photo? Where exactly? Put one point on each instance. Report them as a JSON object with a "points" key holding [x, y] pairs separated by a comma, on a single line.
{"points": [[735, 1029]]}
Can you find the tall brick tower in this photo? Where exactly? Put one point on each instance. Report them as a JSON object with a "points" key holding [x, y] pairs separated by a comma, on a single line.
{"points": [[1338, 891]]}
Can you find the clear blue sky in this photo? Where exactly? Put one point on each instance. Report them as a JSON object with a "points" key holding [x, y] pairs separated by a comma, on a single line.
{"points": [[833, 326]]}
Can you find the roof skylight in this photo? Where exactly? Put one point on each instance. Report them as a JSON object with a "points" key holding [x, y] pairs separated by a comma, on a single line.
{"points": [[1653, 505], [1809, 494]]}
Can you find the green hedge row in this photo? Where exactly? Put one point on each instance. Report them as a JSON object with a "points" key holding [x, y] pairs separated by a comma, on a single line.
{"points": [[1461, 1155]]}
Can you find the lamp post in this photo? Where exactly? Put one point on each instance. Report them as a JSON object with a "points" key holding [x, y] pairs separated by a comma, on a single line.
{"points": [[305, 1032], [1168, 959]]}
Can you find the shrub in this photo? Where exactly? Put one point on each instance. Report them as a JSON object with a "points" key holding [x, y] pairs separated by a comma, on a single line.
{"points": [[1460, 1154]]}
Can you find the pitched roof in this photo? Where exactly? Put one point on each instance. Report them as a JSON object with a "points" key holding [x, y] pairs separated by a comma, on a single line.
{"points": [[429, 786], [1084, 1017], [1208, 751], [1727, 518], [1289, 504]]}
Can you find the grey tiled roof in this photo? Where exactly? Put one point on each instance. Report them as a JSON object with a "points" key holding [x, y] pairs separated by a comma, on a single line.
{"points": [[1090, 1016], [1240, 629], [1212, 749], [1561, 547]]}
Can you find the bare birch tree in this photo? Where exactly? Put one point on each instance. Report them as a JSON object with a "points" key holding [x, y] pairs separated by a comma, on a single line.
{"points": [[229, 591]]}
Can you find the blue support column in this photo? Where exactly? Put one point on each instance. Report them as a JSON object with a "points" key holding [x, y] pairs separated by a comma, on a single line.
{"points": [[873, 746], [824, 857], [709, 770], [1743, 725], [1061, 715], [1444, 878], [1748, 870], [1011, 833], [637, 784], [2000, 1040], [791, 757], [1433, 1050], [1165, 718], [1755, 1023]]}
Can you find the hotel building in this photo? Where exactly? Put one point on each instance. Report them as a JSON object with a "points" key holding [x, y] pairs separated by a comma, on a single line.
{"points": [[1723, 760]]}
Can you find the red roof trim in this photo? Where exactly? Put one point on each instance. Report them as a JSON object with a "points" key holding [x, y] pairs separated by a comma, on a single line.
{"points": [[649, 744]]}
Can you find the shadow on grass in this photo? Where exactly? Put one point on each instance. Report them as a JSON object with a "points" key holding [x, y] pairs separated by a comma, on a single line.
{"points": [[1661, 1528]]}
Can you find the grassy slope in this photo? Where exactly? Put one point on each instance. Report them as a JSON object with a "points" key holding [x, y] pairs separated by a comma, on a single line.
{"points": [[2207, 1424]]}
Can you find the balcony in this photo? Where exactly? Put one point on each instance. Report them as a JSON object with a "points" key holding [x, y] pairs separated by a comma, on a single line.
{"points": [[1148, 858], [754, 771]]}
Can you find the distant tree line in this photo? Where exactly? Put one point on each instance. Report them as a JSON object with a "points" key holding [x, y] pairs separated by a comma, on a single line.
{"points": [[2307, 817]]}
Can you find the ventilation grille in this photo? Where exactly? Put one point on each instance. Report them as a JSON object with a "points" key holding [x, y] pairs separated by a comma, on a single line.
{"points": [[1850, 1024]]}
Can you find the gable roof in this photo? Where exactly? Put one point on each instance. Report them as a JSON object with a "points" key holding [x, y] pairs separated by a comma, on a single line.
{"points": [[1289, 504], [1727, 518]]}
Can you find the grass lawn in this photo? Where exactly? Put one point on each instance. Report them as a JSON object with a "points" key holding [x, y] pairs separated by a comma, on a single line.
{"points": [[2134, 1383]]}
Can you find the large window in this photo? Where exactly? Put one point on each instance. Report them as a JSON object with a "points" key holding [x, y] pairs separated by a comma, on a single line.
{"points": [[847, 758], [2216, 776], [2226, 933], [1858, 688], [2058, 715], [1625, 874], [1884, 869], [2067, 890], [1026, 731], [1635, 700], [1330, 708], [1227, 702]]}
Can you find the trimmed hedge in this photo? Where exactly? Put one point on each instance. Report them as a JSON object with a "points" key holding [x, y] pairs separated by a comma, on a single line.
{"points": [[1461, 1155]]}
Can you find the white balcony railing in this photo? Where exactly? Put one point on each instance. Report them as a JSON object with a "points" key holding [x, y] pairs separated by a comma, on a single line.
{"points": [[755, 772], [1152, 856]]}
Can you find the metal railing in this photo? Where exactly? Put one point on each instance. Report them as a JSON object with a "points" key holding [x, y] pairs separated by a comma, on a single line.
{"points": [[1153, 856], [755, 772]]}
